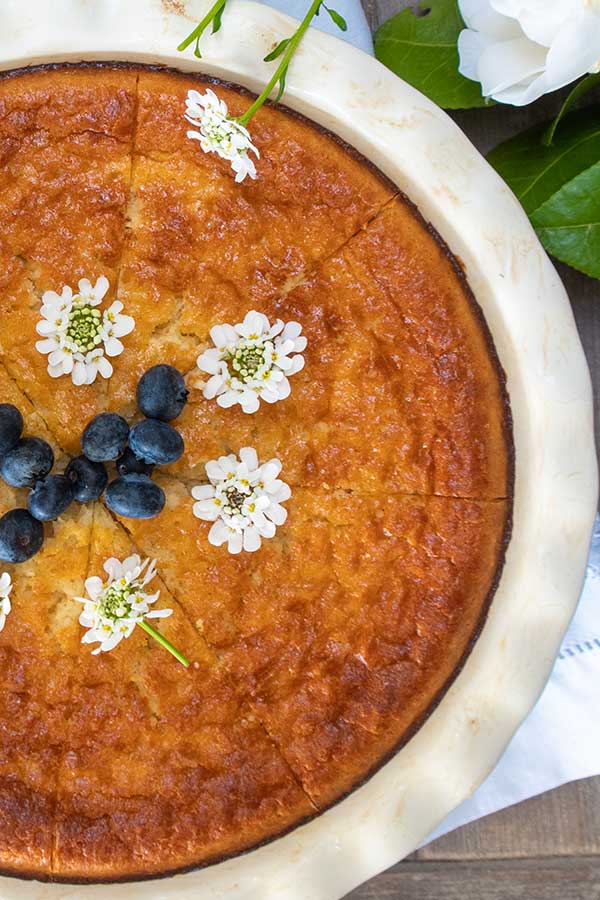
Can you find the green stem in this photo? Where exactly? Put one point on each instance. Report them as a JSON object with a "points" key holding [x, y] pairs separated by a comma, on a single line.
{"points": [[164, 642], [285, 61], [197, 33]]}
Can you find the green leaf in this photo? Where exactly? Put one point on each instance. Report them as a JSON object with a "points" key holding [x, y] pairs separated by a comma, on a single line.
{"points": [[581, 88], [423, 51], [568, 224], [218, 20], [279, 49], [535, 172], [281, 90], [337, 19]]}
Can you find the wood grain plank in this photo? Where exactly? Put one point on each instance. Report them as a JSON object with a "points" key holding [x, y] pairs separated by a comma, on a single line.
{"points": [[564, 822], [552, 879]]}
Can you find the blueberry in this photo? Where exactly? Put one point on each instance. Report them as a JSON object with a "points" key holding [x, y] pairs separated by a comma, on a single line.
{"points": [[135, 497], [161, 393], [129, 464], [50, 497], [87, 478], [11, 427], [105, 437], [31, 459], [156, 442], [21, 536]]}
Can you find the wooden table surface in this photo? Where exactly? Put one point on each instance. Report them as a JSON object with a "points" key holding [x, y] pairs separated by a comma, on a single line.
{"points": [[547, 848]]}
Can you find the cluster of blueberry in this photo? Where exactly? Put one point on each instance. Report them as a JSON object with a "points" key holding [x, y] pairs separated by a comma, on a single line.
{"points": [[27, 462]]}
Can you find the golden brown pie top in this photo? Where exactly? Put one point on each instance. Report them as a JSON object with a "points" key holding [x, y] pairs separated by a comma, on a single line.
{"points": [[314, 658]]}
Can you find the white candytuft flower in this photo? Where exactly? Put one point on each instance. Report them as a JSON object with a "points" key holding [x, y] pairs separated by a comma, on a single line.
{"points": [[252, 361], [77, 336], [220, 133], [243, 500], [114, 607], [521, 49], [5, 589]]}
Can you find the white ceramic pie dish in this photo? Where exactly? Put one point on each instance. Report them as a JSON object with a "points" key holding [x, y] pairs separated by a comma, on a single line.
{"points": [[427, 156]]}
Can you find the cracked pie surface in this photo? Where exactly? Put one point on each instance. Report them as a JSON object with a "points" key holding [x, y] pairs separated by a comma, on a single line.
{"points": [[316, 657]]}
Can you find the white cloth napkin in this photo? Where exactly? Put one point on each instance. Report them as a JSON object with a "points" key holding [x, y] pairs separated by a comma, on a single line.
{"points": [[358, 32], [560, 740]]}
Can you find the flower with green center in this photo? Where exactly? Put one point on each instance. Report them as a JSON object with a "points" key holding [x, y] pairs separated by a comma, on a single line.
{"points": [[77, 336], [114, 607], [252, 361], [243, 500], [219, 133]]}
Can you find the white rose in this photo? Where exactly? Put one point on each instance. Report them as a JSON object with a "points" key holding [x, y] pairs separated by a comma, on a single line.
{"points": [[521, 49]]}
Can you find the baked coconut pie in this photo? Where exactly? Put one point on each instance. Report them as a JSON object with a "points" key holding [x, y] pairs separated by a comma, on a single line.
{"points": [[251, 414]]}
